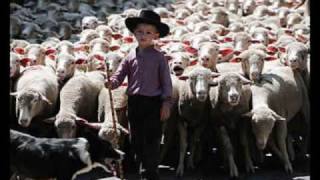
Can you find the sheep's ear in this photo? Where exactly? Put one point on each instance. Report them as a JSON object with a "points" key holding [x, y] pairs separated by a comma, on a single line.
{"points": [[183, 77], [245, 80], [50, 120], [44, 98], [14, 93]]}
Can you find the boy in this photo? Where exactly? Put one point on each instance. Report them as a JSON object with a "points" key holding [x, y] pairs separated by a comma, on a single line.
{"points": [[149, 89]]}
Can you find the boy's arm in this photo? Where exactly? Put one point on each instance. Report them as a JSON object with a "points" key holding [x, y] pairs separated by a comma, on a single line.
{"points": [[166, 83], [117, 78]]}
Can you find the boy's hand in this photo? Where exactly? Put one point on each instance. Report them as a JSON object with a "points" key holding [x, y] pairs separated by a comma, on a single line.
{"points": [[107, 84], [164, 113]]}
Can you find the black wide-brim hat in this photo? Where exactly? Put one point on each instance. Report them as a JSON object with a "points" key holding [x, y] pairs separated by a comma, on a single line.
{"points": [[148, 17]]}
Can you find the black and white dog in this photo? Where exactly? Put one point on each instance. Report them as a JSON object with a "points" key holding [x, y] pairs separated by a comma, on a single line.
{"points": [[56, 158]]}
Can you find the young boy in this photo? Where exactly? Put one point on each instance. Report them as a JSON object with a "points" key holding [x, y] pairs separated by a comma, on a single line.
{"points": [[149, 89]]}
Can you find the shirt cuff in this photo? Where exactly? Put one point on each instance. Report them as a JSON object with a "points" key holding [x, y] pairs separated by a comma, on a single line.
{"points": [[167, 102]]}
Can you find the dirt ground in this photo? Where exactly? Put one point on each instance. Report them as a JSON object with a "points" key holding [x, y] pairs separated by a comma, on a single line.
{"points": [[270, 169]]}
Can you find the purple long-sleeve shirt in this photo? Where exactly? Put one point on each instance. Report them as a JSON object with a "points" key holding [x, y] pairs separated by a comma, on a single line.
{"points": [[148, 74]]}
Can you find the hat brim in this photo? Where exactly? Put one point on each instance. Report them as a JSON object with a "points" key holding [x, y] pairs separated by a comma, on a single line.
{"points": [[132, 22]]}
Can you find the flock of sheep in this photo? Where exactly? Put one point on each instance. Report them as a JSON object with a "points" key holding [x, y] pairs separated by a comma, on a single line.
{"points": [[240, 69]]}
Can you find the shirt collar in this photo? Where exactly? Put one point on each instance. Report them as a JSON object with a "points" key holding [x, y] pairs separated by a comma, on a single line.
{"points": [[145, 50]]}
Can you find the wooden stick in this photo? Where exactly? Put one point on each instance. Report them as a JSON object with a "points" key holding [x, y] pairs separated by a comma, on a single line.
{"points": [[114, 121]]}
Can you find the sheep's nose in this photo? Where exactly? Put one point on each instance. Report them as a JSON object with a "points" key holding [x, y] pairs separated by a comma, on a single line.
{"points": [[293, 60], [234, 97]]}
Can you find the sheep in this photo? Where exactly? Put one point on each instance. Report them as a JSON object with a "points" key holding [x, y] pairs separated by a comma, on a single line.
{"points": [[220, 16], [180, 61], [208, 55], [236, 26], [104, 32], [65, 47], [279, 96], [36, 94], [283, 13], [252, 63], [87, 35], [296, 57], [96, 58], [301, 32], [248, 7], [14, 65], [260, 35], [35, 54], [229, 100], [14, 75], [65, 67], [78, 98], [232, 6], [89, 22], [106, 131], [192, 107], [293, 18], [18, 46], [169, 127], [113, 59], [241, 42]]}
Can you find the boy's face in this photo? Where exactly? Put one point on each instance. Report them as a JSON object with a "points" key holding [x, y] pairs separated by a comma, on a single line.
{"points": [[145, 34]]}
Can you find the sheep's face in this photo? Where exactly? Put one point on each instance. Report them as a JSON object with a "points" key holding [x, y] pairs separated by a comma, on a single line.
{"points": [[297, 58], [261, 11], [29, 104], [182, 14], [65, 126], [208, 57], [241, 43], [14, 64], [178, 64], [236, 27], [252, 66], [283, 13], [248, 7], [113, 61], [230, 87], [199, 80], [220, 17], [89, 23], [302, 34], [233, 6], [263, 120], [100, 46], [293, 19], [261, 37], [199, 84], [35, 54], [87, 37], [105, 34], [65, 48], [65, 66]]}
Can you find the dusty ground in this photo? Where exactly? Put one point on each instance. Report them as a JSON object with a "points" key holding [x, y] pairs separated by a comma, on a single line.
{"points": [[271, 169]]}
